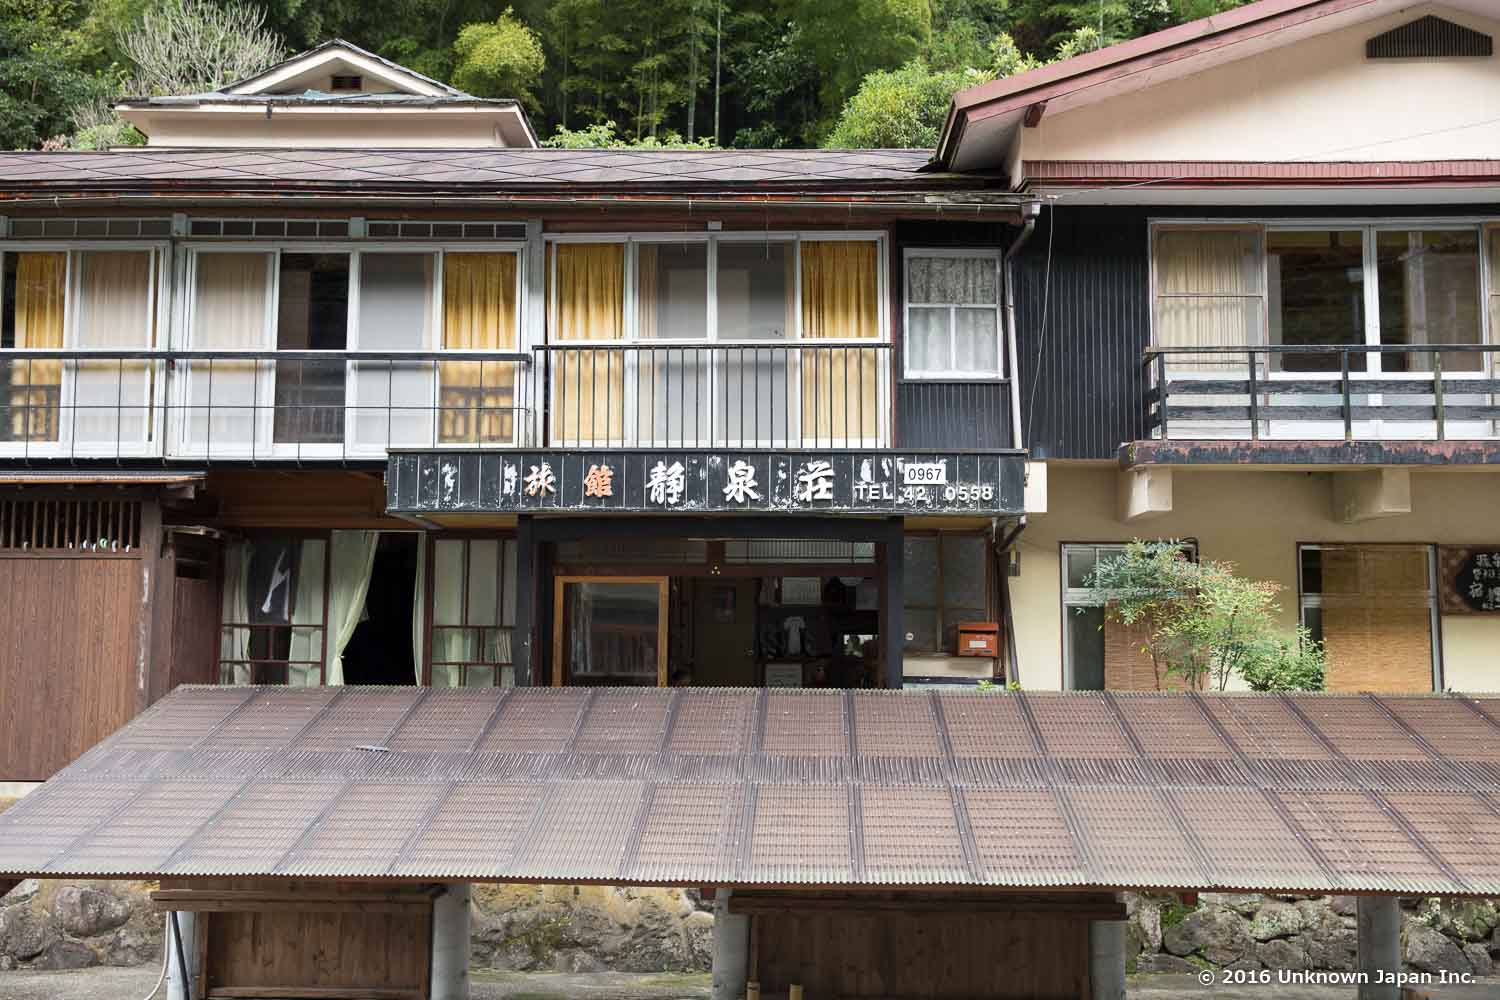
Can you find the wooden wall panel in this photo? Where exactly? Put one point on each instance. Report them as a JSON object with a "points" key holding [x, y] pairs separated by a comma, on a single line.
{"points": [[938, 955], [293, 952], [194, 633], [69, 652]]}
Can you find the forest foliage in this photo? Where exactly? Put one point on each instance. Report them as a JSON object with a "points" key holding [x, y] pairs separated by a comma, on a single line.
{"points": [[745, 73]]}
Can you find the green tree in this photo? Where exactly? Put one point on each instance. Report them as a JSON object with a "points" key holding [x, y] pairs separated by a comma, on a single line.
{"points": [[899, 109], [848, 41], [44, 70], [603, 135], [1203, 623], [500, 59]]}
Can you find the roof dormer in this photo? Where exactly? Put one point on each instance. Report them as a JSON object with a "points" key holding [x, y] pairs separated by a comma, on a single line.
{"points": [[334, 96]]}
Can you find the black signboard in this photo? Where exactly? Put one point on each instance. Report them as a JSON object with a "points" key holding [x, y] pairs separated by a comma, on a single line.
{"points": [[1478, 580], [688, 482]]}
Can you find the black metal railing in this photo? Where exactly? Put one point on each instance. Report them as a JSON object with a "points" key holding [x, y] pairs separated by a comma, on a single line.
{"points": [[253, 405], [1436, 391], [741, 394]]}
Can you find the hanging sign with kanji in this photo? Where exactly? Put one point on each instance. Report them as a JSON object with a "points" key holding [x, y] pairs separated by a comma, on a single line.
{"points": [[639, 481]]}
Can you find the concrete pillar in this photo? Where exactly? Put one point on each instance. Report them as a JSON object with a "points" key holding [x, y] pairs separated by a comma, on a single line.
{"points": [[450, 943], [731, 950], [1379, 945], [187, 923], [1107, 960]]}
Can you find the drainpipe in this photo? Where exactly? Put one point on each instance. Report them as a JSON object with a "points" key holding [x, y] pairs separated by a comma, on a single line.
{"points": [[1029, 212]]}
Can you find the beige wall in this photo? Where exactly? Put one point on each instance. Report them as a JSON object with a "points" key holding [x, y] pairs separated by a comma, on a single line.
{"points": [[1254, 519], [338, 128], [1319, 99]]}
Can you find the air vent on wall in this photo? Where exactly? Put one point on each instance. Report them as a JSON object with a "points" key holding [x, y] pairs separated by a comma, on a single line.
{"points": [[348, 82], [1429, 37]]}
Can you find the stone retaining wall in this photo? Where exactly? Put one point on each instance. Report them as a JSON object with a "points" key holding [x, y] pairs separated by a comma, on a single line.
{"points": [[1302, 932]]}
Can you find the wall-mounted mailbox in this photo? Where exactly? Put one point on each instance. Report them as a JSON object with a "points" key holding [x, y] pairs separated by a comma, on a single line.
{"points": [[978, 639]]}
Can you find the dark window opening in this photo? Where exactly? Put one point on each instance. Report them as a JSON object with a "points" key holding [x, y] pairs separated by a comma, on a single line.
{"points": [[348, 82], [381, 651], [312, 315]]}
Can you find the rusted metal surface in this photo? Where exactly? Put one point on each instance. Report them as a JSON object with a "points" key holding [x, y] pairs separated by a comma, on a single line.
{"points": [[1308, 453], [522, 170], [1277, 793]]}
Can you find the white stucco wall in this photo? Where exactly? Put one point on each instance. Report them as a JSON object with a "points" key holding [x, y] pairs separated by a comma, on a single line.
{"points": [[1319, 99], [1254, 519], [339, 128]]}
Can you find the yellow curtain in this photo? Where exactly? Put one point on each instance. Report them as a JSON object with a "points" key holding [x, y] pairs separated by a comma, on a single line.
{"points": [[840, 301], [478, 399], [36, 386], [588, 391]]}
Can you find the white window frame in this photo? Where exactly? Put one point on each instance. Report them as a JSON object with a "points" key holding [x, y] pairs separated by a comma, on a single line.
{"points": [[261, 444], [714, 239], [1368, 228], [1306, 600], [1088, 597], [952, 373], [157, 318]]}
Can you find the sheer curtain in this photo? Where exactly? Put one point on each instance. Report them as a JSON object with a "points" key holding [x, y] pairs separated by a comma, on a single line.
{"points": [[589, 387], [305, 658], [114, 313], [1208, 292], [418, 608], [479, 314], [234, 642], [39, 298], [840, 301], [352, 558], [231, 297], [394, 398]]}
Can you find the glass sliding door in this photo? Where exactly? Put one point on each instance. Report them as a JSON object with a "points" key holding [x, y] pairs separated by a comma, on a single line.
{"points": [[393, 399], [841, 394], [756, 284], [473, 612], [479, 400], [671, 372], [312, 314], [32, 307], [588, 386], [113, 400], [227, 404], [610, 631]]}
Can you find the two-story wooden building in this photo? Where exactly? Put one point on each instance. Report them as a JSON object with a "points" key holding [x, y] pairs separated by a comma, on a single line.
{"points": [[461, 411]]}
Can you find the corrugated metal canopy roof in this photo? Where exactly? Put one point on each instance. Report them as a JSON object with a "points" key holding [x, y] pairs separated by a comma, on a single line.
{"points": [[1309, 793], [479, 169]]}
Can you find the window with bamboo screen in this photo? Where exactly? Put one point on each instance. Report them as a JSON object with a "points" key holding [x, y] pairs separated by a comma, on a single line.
{"points": [[1373, 607]]}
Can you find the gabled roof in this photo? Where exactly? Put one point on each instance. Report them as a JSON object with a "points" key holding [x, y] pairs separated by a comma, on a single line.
{"points": [[991, 113], [335, 50], [633, 786]]}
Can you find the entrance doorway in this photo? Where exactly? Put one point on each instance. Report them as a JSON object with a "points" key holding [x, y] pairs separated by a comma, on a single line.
{"points": [[721, 613], [381, 650]]}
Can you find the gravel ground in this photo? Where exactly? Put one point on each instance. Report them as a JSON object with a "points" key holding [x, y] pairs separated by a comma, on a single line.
{"points": [[132, 984]]}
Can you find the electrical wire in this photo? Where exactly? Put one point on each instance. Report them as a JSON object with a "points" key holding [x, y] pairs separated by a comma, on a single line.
{"points": [[1041, 339], [166, 958]]}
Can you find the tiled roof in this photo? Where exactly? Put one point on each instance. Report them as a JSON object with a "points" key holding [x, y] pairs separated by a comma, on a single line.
{"points": [[1308, 793], [473, 170]]}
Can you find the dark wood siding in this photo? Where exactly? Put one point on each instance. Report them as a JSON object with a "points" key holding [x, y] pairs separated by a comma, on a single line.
{"points": [[1081, 391], [953, 415], [69, 653]]}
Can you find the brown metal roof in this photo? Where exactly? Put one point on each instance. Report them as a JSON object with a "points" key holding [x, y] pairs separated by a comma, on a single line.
{"points": [[478, 170], [1307, 793]]}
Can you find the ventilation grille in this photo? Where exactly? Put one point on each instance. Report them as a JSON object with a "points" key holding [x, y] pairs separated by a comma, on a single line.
{"points": [[1428, 37], [393, 230], [275, 228], [69, 228], [77, 525]]}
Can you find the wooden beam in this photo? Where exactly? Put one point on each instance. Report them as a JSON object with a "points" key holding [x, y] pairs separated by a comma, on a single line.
{"points": [[1033, 116]]}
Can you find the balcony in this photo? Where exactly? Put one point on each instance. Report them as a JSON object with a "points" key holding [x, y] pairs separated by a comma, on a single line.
{"points": [[1350, 394], [259, 405], [251, 406], [720, 395]]}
